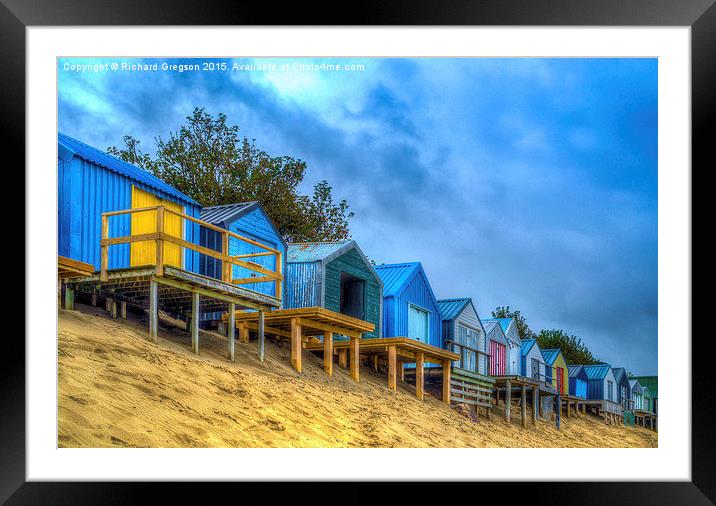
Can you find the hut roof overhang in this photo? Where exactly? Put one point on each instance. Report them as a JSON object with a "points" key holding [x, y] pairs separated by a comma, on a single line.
{"points": [[324, 252], [224, 215]]}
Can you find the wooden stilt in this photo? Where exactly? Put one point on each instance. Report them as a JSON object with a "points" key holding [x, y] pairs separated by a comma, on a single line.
{"points": [[194, 322], [392, 366], [123, 310], [568, 409], [374, 359], [355, 358], [343, 358], [328, 352], [69, 297], [401, 371], [243, 332], [153, 310], [113, 309], [535, 405], [296, 344], [93, 299], [261, 337], [419, 375], [508, 399], [447, 365], [523, 402], [231, 331]]}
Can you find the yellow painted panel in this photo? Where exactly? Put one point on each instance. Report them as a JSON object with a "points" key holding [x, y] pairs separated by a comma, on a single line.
{"points": [[145, 253], [559, 362]]}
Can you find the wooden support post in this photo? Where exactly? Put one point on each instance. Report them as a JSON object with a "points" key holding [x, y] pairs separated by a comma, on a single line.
{"points": [[107, 304], [261, 337], [160, 242], [153, 310], [279, 269], [524, 406], [343, 358], [392, 367], [508, 399], [244, 332], [606, 417], [446, 381], [535, 405], [419, 375], [94, 299], [69, 297], [558, 420], [401, 371], [569, 406], [123, 310], [374, 360], [328, 352], [113, 308], [225, 266], [195, 322], [296, 344], [355, 358], [231, 331], [104, 251]]}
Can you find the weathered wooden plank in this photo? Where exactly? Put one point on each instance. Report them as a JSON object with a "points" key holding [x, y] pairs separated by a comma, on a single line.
{"points": [[355, 358], [153, 310], [535, 404], [231, 331], [328, 352], [508, 400], [419, 375], [296, 344], [343, 358], [446, 381], [261, 343], [392, 366], [523, 406], [195, 322]]}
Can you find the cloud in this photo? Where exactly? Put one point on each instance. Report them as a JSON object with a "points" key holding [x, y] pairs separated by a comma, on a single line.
{"points": [[529, 183]]}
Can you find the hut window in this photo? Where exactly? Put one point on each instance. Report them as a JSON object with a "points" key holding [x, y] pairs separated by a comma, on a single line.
{"points": [[352, 296], [610, 387], [535, 369]]}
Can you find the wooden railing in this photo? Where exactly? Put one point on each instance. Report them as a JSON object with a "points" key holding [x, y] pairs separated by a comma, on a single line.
{"points": [[159, 236], [464, 347]]}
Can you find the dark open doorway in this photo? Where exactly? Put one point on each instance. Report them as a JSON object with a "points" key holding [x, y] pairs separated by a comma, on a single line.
{"points": [[352, 296]]}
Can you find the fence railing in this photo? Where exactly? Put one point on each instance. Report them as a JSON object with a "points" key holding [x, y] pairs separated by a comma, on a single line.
{"points": [[462, 348], [159, 237]]}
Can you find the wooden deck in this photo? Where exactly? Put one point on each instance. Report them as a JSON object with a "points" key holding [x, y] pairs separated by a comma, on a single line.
{"points": [[645, 419], [398, 351], [68, 268], [301, 324], [524, 384], [611, 411]]}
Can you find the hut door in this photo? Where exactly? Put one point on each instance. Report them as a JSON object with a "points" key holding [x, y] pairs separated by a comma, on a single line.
{"points": [[352, 296], [145, 253], [497, 359], [417, 324]]}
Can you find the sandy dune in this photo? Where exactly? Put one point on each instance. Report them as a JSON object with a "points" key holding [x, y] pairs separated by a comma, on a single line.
{"points": [[116, 389]]}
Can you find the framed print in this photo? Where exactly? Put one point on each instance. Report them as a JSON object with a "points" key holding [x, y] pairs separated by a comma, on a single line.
{"points": [[447, 244]]}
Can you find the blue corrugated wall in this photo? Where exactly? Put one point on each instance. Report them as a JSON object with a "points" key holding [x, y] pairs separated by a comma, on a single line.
{"points": [[578, 387], [85, 191], [300, 285], [595, 389], [395, 312]]}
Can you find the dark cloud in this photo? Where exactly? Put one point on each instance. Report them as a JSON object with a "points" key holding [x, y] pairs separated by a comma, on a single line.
{"points": [[531, 185]]}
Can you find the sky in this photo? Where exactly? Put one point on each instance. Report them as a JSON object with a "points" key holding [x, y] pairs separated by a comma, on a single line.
{"points": [[523, 182]]}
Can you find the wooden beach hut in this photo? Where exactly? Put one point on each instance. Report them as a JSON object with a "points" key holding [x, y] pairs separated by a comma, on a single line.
{"points": [[496, 348], [556, 370], [336, 276], [532, 362], [410, 308], [623, 389], [637, 394], [464, 334], [652, 383], [602, 391], [90, 183], [142, 238], [514, 345], [248, 219], [577, 381]]}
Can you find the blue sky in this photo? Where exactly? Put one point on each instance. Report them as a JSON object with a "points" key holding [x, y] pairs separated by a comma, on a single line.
{"points": [[522, 182]]}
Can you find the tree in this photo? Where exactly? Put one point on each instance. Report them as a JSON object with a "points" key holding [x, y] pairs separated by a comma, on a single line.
{"points": [[522, 328], [208, 161], [573, 349]]}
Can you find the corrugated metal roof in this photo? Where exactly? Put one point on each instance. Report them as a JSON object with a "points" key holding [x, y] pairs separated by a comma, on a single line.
{"points": [[488, 324], [598, 371], [451, 308], [650, 382], [394, 276], [526, 346], [227, 213], [550, 355], [635, 386], [575, 370], [618, 373], [312, 251], [504, 322], [121, 167]]}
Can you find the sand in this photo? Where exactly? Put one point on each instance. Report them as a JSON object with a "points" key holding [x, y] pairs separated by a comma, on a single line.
{"points": [[117, 389]]}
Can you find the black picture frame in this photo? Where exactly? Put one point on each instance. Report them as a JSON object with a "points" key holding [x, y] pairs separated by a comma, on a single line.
{"points": [[700, 15]]}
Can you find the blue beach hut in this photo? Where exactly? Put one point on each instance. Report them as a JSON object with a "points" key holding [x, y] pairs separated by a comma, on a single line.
{"points": [[410, 308], [463, 333], [577, 381], [91, 182]]}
